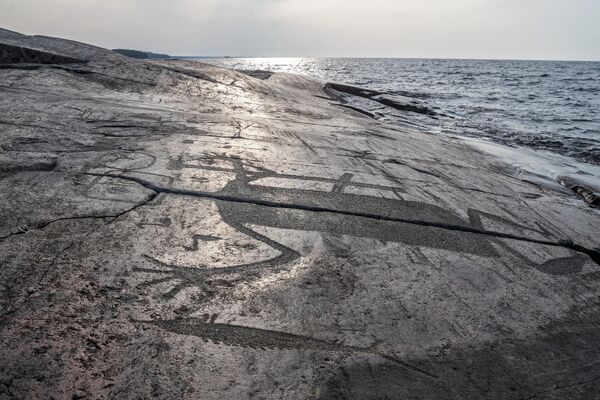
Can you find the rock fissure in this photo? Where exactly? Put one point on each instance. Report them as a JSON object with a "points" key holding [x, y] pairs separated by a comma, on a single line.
{"points": [[594, 254], [79, 217]]}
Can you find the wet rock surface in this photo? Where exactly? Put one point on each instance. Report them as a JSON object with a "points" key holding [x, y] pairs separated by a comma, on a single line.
{"points": [[174, 230]]}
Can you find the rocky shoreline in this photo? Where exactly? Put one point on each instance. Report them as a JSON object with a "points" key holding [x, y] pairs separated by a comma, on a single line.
{"points": [[172, 229]]}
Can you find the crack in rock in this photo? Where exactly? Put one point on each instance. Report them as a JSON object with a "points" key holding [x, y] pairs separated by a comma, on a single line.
{"points": [[592, 253]]}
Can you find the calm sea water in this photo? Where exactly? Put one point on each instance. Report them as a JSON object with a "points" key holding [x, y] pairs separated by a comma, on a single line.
{"points": [[546, 105]]}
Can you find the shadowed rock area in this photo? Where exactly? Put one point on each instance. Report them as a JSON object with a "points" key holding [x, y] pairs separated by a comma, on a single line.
{"points": [[174, 230], [18, 55]]}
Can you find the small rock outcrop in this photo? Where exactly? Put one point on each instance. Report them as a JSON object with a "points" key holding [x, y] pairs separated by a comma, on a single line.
{"points": [[257, 73], [582, 188], [396, 102]]}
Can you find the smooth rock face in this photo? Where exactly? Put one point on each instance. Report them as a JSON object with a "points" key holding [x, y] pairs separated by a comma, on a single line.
{"points": [[175, 230]]}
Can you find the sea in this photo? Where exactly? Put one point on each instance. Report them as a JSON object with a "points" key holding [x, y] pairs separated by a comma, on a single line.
{"points": [[541, 116]]}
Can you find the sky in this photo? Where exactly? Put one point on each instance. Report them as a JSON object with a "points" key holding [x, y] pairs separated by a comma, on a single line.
{"points": [[496, 29]]}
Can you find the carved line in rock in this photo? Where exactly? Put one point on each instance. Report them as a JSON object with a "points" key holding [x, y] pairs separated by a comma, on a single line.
{"points": [[135, 160], [196, 239], [208, 279], [255, 338]]}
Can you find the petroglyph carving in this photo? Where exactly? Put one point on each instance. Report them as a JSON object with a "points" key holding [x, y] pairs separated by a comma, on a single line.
{"points": [[242, 336], [241, 215]]}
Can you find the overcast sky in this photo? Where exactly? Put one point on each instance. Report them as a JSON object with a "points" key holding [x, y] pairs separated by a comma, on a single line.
{"points": [[516, 29]]}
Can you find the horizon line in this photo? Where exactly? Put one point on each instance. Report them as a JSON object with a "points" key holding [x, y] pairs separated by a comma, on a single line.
{"points": [[400, 58]]}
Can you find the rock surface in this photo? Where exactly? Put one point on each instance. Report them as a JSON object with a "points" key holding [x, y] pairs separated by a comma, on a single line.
{"points": [[175, 230], [10, 54], [397, 102]]}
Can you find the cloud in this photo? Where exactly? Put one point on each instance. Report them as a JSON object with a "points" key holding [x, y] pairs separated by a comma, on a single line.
{"points": [[401, 28]]}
